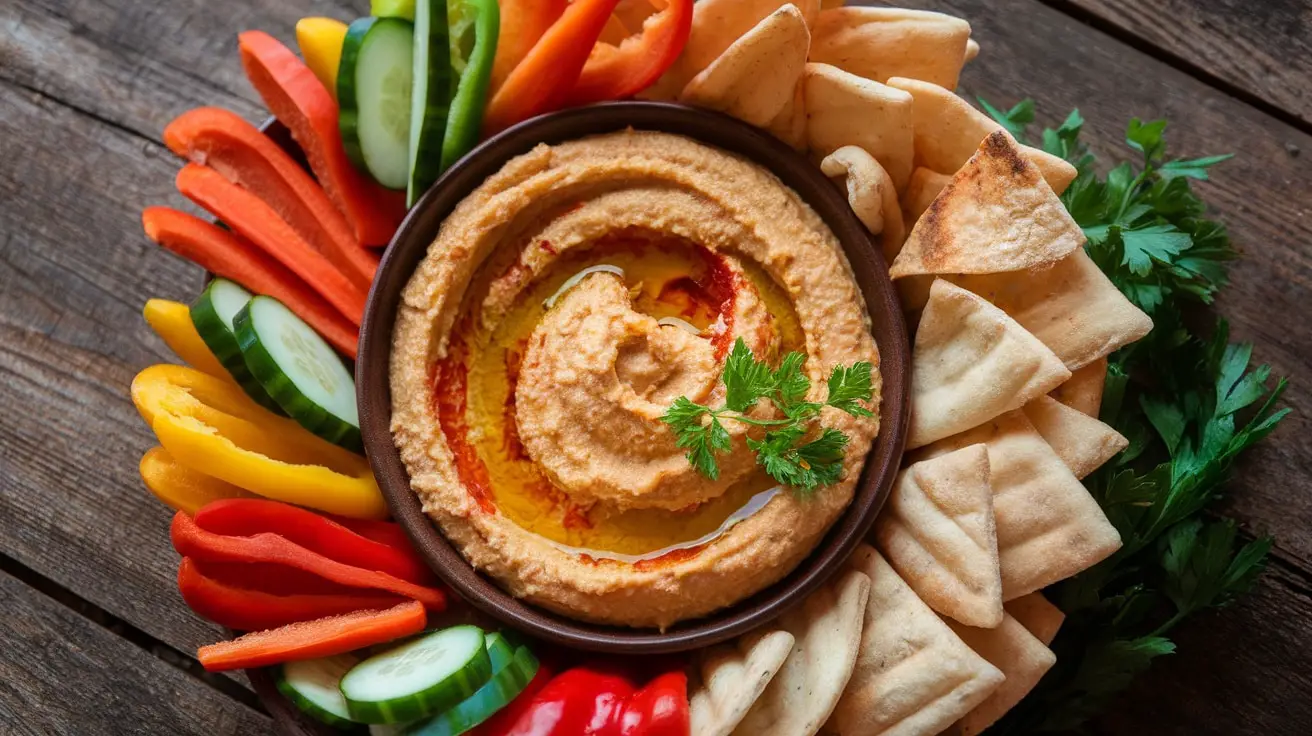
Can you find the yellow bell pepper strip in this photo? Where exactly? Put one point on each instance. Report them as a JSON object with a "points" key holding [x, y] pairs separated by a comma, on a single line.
{"points": [[180, 487], [210, 426], [172, 322], [321, 41]]}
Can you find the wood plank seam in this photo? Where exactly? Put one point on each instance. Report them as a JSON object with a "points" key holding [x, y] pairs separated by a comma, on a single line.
{"points": [[19, 84]]}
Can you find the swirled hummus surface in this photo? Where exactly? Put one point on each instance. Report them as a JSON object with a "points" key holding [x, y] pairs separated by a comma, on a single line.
{"points": [[564, 305]]}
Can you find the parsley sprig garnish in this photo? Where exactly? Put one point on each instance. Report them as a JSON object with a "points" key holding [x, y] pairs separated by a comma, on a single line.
{"points": [[1190, 404], [804, 465]]}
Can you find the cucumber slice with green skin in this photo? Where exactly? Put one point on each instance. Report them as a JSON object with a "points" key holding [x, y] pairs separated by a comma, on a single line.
{"points": [[213, 315], [506, 685], [418, 679], [430, 97], [499, 650], [374, 81], [299, 370], [313, 685], [393, 9], [475, 26]]}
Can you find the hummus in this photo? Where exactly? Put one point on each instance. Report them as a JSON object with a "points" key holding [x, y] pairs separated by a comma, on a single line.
{"points": [[565, 304]]}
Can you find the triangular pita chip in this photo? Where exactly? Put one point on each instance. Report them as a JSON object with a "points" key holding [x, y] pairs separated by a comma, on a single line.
{"points": [[1037, 615], [937, 532], [1021, 657], [1083, 392], [923, 188], [1071, 306], [997, 214], [730, 677], [843, 109], [970, 363], [878, 43], [913, 675], [827, 629], [755, 78], [871, 194], [1082, 442], [1049, 527], [716, 25], [948, 130]]}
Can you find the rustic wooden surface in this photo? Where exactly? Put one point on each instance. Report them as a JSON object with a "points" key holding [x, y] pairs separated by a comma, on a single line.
{"points": [[95, 638]]}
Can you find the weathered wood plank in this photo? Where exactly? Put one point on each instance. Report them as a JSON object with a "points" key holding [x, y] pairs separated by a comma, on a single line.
{"points": [[63, 674], [1262, 49]]}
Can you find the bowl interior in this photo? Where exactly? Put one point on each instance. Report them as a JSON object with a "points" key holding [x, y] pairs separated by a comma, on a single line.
{"points": [[410, 246]]}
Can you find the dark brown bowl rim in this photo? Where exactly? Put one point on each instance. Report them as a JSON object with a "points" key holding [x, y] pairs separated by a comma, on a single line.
{"points": [[411, 243]]}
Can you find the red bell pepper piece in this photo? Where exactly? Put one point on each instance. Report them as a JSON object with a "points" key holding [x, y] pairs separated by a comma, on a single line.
{"points": [[266, 576], [616, 72], [312, 531], [543, 80], [587, 701], [245, 609], [314, 639], [300, 101], [522, 23], [192, 541], [383, 532]]}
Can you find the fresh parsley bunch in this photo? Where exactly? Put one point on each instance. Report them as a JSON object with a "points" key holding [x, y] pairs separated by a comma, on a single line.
{"points": [[806, 466], [1188, 402]]}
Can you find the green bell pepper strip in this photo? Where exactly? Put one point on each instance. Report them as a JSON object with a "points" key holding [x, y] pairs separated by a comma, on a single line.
{"points": [[475, 25]]}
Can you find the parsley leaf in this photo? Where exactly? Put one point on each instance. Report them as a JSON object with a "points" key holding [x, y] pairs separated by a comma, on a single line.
{"points": [[847, 386], [745, 380]]}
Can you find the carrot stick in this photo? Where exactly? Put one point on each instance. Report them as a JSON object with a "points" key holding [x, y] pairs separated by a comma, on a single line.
{"points": [[231, 256], [257, 222], [522, 23], [299, 100], [541, 82], [313, 639], [233, 147]]}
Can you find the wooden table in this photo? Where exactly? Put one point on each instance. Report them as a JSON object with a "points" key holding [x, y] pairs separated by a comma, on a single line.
{"points": [[93, 636]]}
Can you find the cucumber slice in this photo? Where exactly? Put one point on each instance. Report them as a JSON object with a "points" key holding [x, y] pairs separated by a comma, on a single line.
{"points": [[373, 92], [499, 651], [506, 685], [299, 370], [420, 678], [430, 98], [312, 685], [393, 9], [213, 315]]}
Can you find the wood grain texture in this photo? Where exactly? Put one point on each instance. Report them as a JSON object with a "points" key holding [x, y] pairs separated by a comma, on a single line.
{"points": [[62, 674], [1260, 48]]}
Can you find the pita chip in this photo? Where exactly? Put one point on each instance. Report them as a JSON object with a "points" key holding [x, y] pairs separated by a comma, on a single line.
{"points": [[1049, 527], [913, 674], [878, 43], [716, 25], [970, 363], [1082, 442], [996, 215], [937, 532], [871, 194], [755, 78], [1037, 615], [923, 188], [843, 109], [1021, 657], [948, 130], [1071, 306], [730, 677], [827, 630], [1084, 391]]}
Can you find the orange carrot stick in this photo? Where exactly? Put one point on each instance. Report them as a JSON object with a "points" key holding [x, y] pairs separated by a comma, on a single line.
{"points": [[231, 256], [313, 639], [522, 23], [257, 222], [299, 100], [233, 147]]}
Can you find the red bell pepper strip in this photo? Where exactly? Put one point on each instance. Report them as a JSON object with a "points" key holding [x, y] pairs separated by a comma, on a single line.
{"points": [[314, 639], [586, 701], [246, 609], [233, 147], [383, 532], [312, 531], [271, 577], [192, 541], [227, 254], [543, 80], [522, 23], [257, 222], [300, 101], [617, 72]]}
